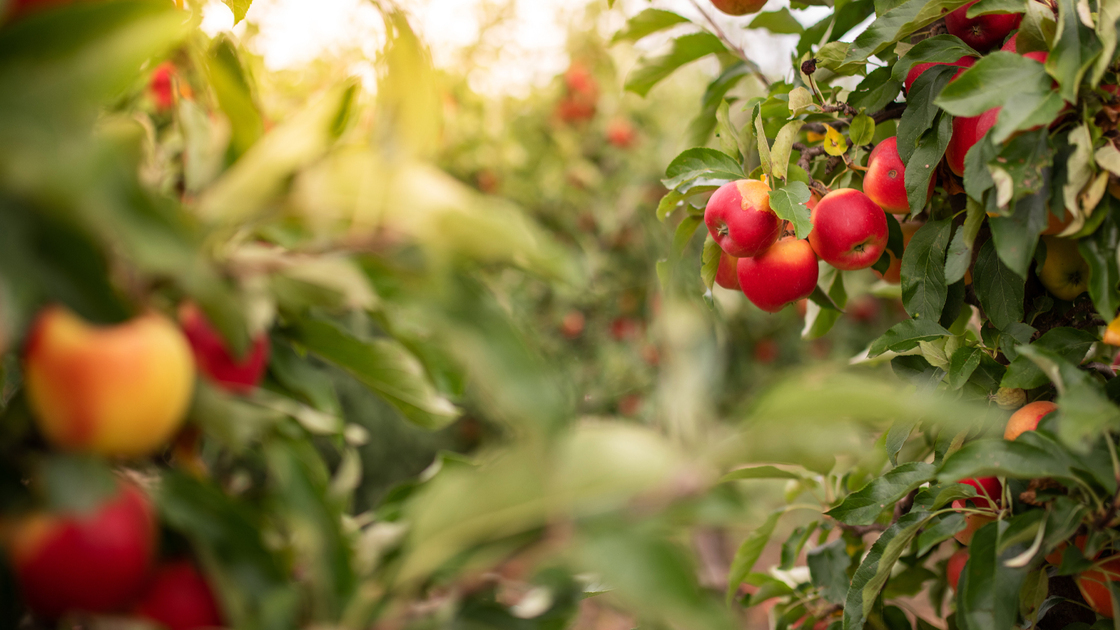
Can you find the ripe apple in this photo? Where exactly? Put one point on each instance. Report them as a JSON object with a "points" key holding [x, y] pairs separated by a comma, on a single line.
{"points": [[967, 131], [739, 7], [179, 597], [89, 562], [160, 86], [1093, 585], [1064, 273], [1027, 418], [982, 32], [113, 390], [214, 358], [1011, 45], [885, 180], [739, 218], [727, 274], [989, 493], [894, 272], [849, 229], [782, 274], [955, 566], [917, 69]]}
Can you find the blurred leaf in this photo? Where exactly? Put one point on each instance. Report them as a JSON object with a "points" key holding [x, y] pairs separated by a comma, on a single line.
{"points": [[1069, 343], [686, 49], [864, 506], [1028, 457], [780, 22], [701, 126], [876, 567], [749, 552], [897, 23], [828, 570], [648, 22], [730, 141], [1099, 250], [409, 105], [1107, 18], [825, 304], [788, 202], [232, 420], [231, 86], [985, 7], [78, 485], [239, 8], [999, 289], [923, 270], [793, 545], [383, 365], [759, 472]]}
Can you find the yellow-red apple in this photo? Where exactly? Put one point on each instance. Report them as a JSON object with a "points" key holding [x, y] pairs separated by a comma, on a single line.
{"points": [[739, 218], [989, 493], [1064, 273], [727, 274], [982, 32], [739, 7], [214, 358], [782, 274], [92, 562], [849, 229], [1027, 418], [115, 390], [179, 598], [955, 566]]}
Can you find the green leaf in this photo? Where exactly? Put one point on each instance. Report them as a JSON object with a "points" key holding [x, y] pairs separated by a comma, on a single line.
{"points": [[936, 49], [864, 506], [1099, 250], [709, 261], [231, 86], [783, 146], [78, 485], [683, 235], [701, 126], [923, 270], [875, 91], [896, 24], [788, 202], [984, 7], [383, 365], [921, 113], [962, 364], [686, 49], [730, 141], [1069, 343], [897, 436], [780, 22], [749, 552], [832, 56], [793, 545], [861, 130], [1016, 236], [1107, 17], [876, 567], [648, 22], [999, 289], [942, 528], [959, 257], [905, 335], [923, 162], [1031, 456], [763, 145], [697, 162], [239, 8], [989, 591], [828, 570], [1066, 62]]}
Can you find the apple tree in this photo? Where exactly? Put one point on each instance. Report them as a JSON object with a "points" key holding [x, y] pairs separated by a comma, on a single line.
{"points": [[965, 154]]}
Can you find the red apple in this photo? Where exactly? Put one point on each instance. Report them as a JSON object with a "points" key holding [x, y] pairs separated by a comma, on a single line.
{"points": [[766, 351], [572, 324], [213, 356], [727, 274], [739, 218], [1027, 418], [982, 32], [179, 598], [917, 69], [967, 131], [885, 179], [849, 229], [955, 566], [782, 274], [85, 562], [621, 133], [738, 7], [989, 491], [161, 86]]}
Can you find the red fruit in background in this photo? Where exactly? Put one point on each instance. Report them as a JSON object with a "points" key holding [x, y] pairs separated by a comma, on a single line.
{"points": [[917, 69], [739, 7], [967, 131], [85, 562], [621, 133], [782, 274], [955, 566], [178, 597], [23, 7], [739, 218], [989, 492], [885, 179], [161, 87], [572, 324], [578, 79], [982, 32], [624, 328], [1093, 585], [766, 351], [849, 229], [630, 405], [727, 274], [239, 375], [864, 309]]}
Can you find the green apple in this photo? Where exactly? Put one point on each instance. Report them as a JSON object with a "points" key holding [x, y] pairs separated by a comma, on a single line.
{"points": [[1064, 272]]}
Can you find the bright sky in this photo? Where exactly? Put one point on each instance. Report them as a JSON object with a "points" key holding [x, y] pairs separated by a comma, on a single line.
{"points": [[528, 50]]}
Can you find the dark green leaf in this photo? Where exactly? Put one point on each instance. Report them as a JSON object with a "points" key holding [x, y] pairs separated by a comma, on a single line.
{"points": [[1025, 458], [793, 545], [921, 113], [875, 91], [1069, 343], [1084, 408], [897, 436], [864, 506], [989, 590], [962, 364], [828, 570], [999, 289], [942, 528], [923, 270], [1099, 250], [876, 567]]}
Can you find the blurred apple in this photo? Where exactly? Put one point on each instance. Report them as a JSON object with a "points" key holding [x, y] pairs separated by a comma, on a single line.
{"points": [[1027, 418], [621, 133], [1064, 273], [179, 597], [572, 324], [214, 358]]}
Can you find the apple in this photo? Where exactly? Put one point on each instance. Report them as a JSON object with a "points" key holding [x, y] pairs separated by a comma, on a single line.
{"points": [[885, 180], [161, 87], [179, 597], [727, 274], [893, 274], [1027, 418], [766, 351], [787, 272], [1011, 45], [625, 328], [112, 390], [1055, 225], [917, 69], [739, 218], [989, 494], [967, 131], [982, 32], [1064, 273], [739, 7], [17, 8], [955, 566], [214, 358], [92, 562], [849, 229], [1112, 338], [1093, 585], [621, 133], [1055, 556], [572, 324]]}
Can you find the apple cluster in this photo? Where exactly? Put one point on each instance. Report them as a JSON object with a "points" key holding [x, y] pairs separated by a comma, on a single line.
{"points": [[849, 232], [120, 392]]}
